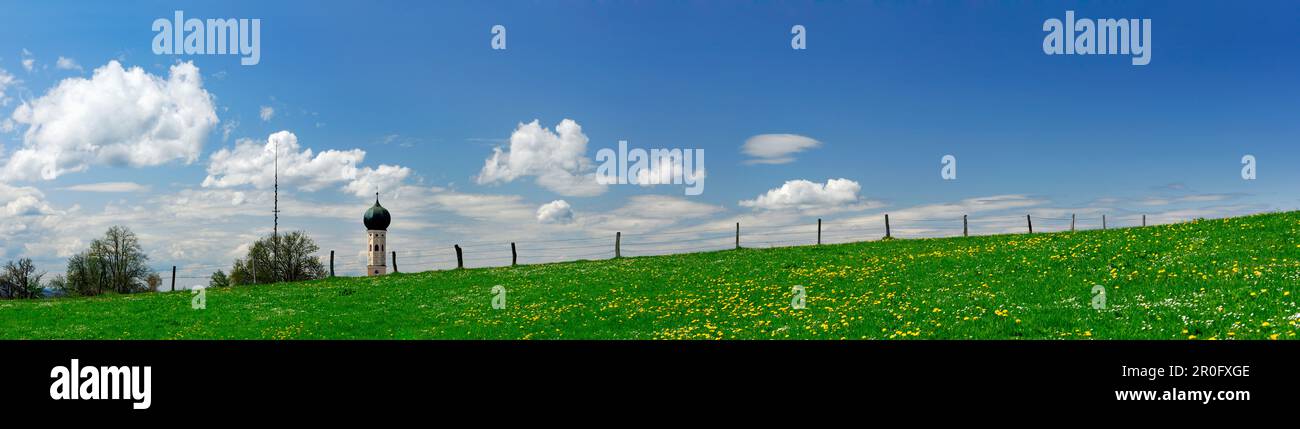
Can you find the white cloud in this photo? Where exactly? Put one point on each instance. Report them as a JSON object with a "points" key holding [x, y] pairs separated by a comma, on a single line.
{"points": [[253, 163], [28, 62], [557, 159], [6, 80], [776, 148], [266, 113], [22, 201], [65, 63], [494, 209], [666, 206], [117, 117], [806, 195], [24, 214], [648, 213], [558, 212], [385, 177], [1190, 198], [108, 187], [667, 168], [227, 128]]}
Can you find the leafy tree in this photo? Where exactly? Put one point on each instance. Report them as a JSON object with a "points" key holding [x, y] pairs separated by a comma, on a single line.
{"points": [[115, 263], [219, 279], [84, 276], [287, 258], [20, 281]]}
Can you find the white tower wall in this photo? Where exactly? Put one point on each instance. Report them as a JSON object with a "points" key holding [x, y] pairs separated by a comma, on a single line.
{"points": [[376, 264]]}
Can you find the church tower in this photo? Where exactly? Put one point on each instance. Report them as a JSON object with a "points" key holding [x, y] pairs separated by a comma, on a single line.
{"points": [[376, 220]]}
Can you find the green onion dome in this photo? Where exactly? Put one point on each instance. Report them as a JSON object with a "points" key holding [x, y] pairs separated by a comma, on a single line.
{"points": [[377, 217]]}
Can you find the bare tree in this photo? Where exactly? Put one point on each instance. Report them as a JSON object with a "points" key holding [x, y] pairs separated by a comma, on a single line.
{"points": [[20, 281]]}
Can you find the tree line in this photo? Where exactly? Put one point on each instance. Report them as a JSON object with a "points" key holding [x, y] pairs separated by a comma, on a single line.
{"points": [[116, 263]]}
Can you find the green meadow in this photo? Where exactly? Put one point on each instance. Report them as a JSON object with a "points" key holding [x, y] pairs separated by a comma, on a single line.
{"points": [[1221, 279]]}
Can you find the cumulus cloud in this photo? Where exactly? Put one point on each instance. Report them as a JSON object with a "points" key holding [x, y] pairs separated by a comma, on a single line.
{"points": [[556, 212], [24, 218], [266, 113], [117, 117], [669, 167], [776, 148], [370, 180], [65, 63], [806, 195], [556, 158], [253, 163], [22, 201]]}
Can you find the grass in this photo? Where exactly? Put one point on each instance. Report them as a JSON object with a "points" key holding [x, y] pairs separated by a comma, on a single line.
{"points": [[1211, 279]]}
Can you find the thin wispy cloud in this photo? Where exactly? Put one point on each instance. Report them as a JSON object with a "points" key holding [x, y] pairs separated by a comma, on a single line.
{"points": [[108, 187]]}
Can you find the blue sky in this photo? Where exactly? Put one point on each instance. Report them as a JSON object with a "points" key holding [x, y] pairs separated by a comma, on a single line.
{"points": [[886, 89]]}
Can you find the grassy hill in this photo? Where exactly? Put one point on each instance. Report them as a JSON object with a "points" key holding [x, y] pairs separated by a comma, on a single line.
{"points": [[1210, 279]]}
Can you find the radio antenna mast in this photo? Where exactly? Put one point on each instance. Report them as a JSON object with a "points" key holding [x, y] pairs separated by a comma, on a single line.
{"points": [[275, 209]]}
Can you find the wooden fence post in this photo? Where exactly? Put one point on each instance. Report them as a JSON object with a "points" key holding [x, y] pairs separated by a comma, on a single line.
{"points": [[394, 261], [1071, 222], [965, 227], [460, 259], [618, 244], [1103, 221], [1029, 221], [887, 226], [737, 235], [173, 278], [819, 232], [1144, 220], [331, 263], [514, 255]]}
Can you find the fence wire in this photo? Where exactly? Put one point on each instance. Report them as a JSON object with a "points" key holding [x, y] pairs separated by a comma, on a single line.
{"points": [[700, 238]]}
